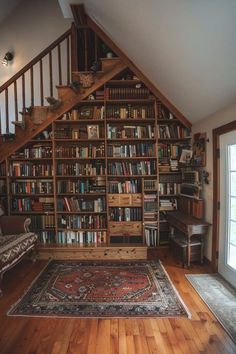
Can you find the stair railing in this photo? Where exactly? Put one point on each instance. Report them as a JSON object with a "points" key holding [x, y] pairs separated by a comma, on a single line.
{"points": [[36, 80]]}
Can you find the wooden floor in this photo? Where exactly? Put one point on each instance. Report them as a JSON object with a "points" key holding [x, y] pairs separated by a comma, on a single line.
{"points": [[24, 335]]}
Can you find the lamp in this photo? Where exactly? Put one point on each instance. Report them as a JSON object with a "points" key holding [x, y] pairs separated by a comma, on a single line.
{"points": [[8, 57]]}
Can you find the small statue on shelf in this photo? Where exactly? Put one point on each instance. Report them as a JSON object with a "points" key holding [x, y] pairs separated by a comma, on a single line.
{"points": [[53, 102], [74, 85], [95, 66]]}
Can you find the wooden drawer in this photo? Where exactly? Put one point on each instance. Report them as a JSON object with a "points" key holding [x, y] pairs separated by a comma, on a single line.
{"points": [[113, 199], [133, 228], [125, 228], [116, 228], [136, 199], [124, 200]]}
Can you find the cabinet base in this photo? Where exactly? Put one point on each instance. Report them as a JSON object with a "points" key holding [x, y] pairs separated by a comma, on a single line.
{"points": [[90, 253]]}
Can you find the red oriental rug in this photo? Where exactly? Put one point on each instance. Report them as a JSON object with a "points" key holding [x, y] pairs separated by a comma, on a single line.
{"points": [[101, 289]]}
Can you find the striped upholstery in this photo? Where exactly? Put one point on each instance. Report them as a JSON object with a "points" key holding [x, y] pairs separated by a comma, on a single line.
{"points": [[13, 247]]}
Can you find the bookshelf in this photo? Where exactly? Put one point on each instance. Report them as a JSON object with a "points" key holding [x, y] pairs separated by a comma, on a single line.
{"points": [[4, 186], [104, 173]]}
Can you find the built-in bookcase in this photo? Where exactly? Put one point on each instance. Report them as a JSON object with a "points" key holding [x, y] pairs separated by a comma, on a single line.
{"points": [[104, 173]]}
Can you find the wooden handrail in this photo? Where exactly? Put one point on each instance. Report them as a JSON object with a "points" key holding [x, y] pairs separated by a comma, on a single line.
{"points": [[19, 99], [35, 60]]}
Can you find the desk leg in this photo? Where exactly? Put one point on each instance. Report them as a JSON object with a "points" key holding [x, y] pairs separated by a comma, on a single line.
{"points": [[188, 252], [202, 249]]}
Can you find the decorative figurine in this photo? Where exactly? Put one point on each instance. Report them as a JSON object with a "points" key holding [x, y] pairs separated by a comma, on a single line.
{"points": [[53, 102]]}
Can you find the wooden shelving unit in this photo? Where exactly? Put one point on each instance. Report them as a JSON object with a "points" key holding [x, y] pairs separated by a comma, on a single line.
{"points": [[101, 174]]}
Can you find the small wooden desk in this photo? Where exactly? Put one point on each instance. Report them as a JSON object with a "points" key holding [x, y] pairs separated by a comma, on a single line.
{"points": [[189, 226]]}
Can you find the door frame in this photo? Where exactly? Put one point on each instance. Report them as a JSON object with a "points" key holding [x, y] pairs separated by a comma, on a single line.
{"points": [[216, 189]]}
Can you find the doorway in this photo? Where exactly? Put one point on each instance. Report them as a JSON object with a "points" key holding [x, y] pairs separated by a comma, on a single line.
{"points": [[221, 206], [227, 225]]}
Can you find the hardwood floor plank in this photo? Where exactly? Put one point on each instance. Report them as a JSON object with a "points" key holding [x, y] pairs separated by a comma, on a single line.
{"points": [[122, 337], [114, 336], [103, 336], [29, 335], [92, 336]]}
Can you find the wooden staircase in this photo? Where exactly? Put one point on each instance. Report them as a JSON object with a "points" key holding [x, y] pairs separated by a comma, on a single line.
{"points": [[37, 118], [30, 125]]}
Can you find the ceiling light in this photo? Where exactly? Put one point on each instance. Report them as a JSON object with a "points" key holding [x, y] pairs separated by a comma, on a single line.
{"points": [[8, 57]]}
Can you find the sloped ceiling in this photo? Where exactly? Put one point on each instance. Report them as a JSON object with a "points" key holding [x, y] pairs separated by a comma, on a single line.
{"points": [[186, 47], [6, 7]]}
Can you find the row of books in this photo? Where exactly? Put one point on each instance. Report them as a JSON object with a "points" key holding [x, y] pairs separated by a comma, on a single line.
{"points": [[168, 204], [85, 112], [167, 165], [130, 112], [131, 150], [119, 93], [18, 169], [46, 237], [169, 188], [34, 152], [32, 187], [81, 222], [82, 237], [79, 132], [80, 151], [151, 235], [150, 202], [92, 185], [79, 204], [81, 169], [175, 178], [3, 187], [2, 169], [29, 204], [150, 184], [129, 131], [172, 131], [142, 168], [170, 150], [125, 214], [163, 112], [41, 222], [131, 186]]}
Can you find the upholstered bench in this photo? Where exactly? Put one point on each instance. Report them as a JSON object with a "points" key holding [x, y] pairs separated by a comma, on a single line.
{"points": [[15, 241]]}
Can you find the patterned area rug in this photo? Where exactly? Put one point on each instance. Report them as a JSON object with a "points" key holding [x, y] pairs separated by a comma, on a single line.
{"points": [[101, 289], [219, 296]]}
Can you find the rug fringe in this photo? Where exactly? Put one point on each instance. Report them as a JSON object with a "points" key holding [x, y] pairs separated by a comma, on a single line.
{"points": [[176, 291]]}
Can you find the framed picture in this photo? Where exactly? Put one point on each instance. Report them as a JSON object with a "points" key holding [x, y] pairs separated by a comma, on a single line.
{"points": [[199, 149], [93, 131], [85, 113], [186, 156]]}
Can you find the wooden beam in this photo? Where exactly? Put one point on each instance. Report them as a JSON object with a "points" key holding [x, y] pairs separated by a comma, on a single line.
{"points": [[137, 71], [79, 14]]}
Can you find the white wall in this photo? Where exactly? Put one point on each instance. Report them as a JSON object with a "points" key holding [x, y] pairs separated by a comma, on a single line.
{"points": [[31, 27], [207, 125], [26, 31]]}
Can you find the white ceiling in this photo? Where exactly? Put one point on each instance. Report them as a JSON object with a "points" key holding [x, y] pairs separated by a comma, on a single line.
{"points": [[6, 6], [186, 47]]}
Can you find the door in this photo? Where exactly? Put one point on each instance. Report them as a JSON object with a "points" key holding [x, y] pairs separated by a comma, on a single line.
{"points": [[227, 237]]}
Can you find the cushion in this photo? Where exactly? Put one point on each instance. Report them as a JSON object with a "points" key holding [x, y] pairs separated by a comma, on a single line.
{"points": [[12, 247]]}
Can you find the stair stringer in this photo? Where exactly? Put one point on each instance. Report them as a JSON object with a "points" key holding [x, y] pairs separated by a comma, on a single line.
{"points": [[69, 99]]}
